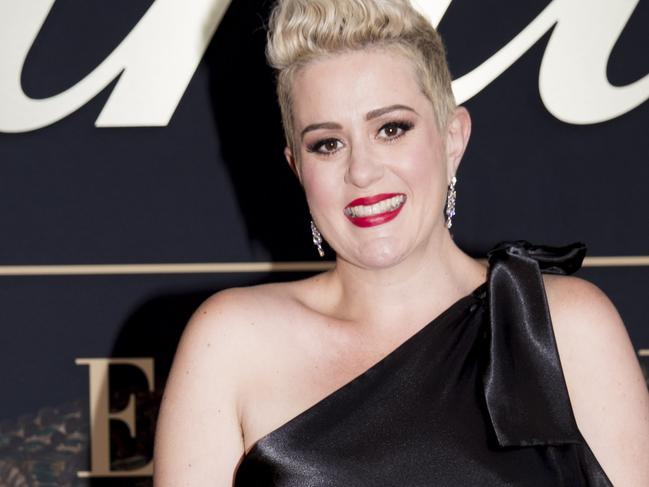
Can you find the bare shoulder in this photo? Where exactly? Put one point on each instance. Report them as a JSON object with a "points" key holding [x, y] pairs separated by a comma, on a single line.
{"points": [[220, 328], [231, 328], [199, 438], [248, 312], [581, 312], [607, 390], [586, 322], [225, 314]]}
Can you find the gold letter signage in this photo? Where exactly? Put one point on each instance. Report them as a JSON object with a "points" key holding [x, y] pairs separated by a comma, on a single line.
{"points": [[100, 415]]}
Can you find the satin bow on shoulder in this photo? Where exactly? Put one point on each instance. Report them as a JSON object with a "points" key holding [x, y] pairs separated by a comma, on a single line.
{"points": [[525, 389]]}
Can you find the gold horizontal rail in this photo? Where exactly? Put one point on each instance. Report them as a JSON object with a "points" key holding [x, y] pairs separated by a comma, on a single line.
{"points": [[617, 261], [238, 267], [193, 268]]}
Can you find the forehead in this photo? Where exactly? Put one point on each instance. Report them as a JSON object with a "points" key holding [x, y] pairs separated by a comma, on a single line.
{"points": [[349, 85]]}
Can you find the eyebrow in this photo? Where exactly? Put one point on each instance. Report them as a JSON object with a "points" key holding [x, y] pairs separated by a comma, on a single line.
{"points": [[382, 111], [323, 125], [368, 116]]}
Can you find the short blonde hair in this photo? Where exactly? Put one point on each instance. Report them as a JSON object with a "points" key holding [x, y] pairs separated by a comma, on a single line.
{"points": [[301, 31]]}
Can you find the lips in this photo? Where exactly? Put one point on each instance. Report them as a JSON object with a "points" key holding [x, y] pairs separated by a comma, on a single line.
{"points": [[375, 210]]}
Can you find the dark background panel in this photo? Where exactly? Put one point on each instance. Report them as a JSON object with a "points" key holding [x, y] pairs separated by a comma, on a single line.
{"points": [[49, 322], [213, 186], [627, 288], [527, 173], [54, 320]]}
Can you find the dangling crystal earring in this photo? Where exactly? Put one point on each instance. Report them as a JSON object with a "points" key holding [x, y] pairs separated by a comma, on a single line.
{"points": [[317, 239], [450, 203]]}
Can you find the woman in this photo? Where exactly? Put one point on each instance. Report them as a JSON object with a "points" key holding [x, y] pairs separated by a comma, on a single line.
{"points": [[344, 378]]}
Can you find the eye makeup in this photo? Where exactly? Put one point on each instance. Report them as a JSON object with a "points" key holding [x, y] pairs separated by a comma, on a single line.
{"points": [[391, 131], [395, 129], [331, 145]]}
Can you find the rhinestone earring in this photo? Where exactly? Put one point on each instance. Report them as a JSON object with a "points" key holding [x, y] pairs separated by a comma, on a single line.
{"points": [[317, 239], [450, 203]]}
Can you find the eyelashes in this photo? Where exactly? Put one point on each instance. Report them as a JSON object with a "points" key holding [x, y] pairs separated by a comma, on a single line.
{"points": [[325, 146], [394, 130], [388, 132]]}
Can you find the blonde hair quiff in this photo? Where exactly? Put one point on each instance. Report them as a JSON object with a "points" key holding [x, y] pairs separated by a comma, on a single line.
{"points": [[301, 31]]}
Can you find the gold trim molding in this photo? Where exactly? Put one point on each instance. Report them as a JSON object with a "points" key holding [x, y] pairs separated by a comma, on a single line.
{"points": [[197, 268], [617, 261], [239, 267]]}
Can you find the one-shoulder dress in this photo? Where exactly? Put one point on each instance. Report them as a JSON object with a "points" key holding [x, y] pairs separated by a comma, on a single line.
{"points": [[477, 397]]}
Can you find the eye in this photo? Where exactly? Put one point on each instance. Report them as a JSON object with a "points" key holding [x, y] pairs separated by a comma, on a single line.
{"points": [[394, 130], [325, 146]]}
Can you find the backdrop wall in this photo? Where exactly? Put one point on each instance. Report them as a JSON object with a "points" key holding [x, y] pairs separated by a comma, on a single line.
{"points": [[141, 143]]}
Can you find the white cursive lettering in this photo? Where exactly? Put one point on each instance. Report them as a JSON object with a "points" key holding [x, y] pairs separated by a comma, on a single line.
{"points": [[156, 61], [572, 81]]}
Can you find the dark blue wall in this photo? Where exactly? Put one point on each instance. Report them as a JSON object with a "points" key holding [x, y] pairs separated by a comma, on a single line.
{"points": [[194, 192]]}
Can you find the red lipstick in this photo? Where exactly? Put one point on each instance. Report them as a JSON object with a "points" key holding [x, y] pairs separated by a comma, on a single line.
{"points": [[375, 210]]}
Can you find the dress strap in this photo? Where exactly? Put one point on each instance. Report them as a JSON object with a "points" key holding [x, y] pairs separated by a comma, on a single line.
{"points": [[525, 389]]}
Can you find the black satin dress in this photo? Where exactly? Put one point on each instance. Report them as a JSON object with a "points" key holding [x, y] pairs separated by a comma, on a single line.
{"points": [[475, 398]]}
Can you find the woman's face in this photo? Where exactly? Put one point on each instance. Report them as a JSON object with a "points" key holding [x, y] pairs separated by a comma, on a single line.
{"points": [[374, 166]]}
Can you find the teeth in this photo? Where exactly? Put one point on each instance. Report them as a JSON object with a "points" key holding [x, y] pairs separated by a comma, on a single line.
{"points": [[383, 206]]}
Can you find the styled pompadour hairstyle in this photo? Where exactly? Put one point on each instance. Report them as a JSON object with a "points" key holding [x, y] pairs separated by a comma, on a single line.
{"points": [[301, 31]]}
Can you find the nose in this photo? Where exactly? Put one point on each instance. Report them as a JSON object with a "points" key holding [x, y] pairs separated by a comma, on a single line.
{"points": [[364, 168]]}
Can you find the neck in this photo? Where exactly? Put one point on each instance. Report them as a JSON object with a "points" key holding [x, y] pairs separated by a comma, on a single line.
{"points": [[412, 291]]}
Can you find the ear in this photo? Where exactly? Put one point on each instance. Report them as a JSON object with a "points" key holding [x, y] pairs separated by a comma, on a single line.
{"points": [[290, 158], [458, 131]]}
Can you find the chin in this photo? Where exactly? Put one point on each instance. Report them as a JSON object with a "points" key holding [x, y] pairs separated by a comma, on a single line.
{"points": [[380, 253]]}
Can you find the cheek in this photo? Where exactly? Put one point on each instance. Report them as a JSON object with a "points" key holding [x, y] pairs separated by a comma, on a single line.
{"points": [[318, 188], [425, 168]]}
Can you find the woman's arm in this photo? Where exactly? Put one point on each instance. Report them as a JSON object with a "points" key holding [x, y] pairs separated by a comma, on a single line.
{"points": [[605, 383], [198, 437]]}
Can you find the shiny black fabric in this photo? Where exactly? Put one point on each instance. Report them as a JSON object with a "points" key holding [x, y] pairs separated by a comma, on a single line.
{"points": [[475, 398]]}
